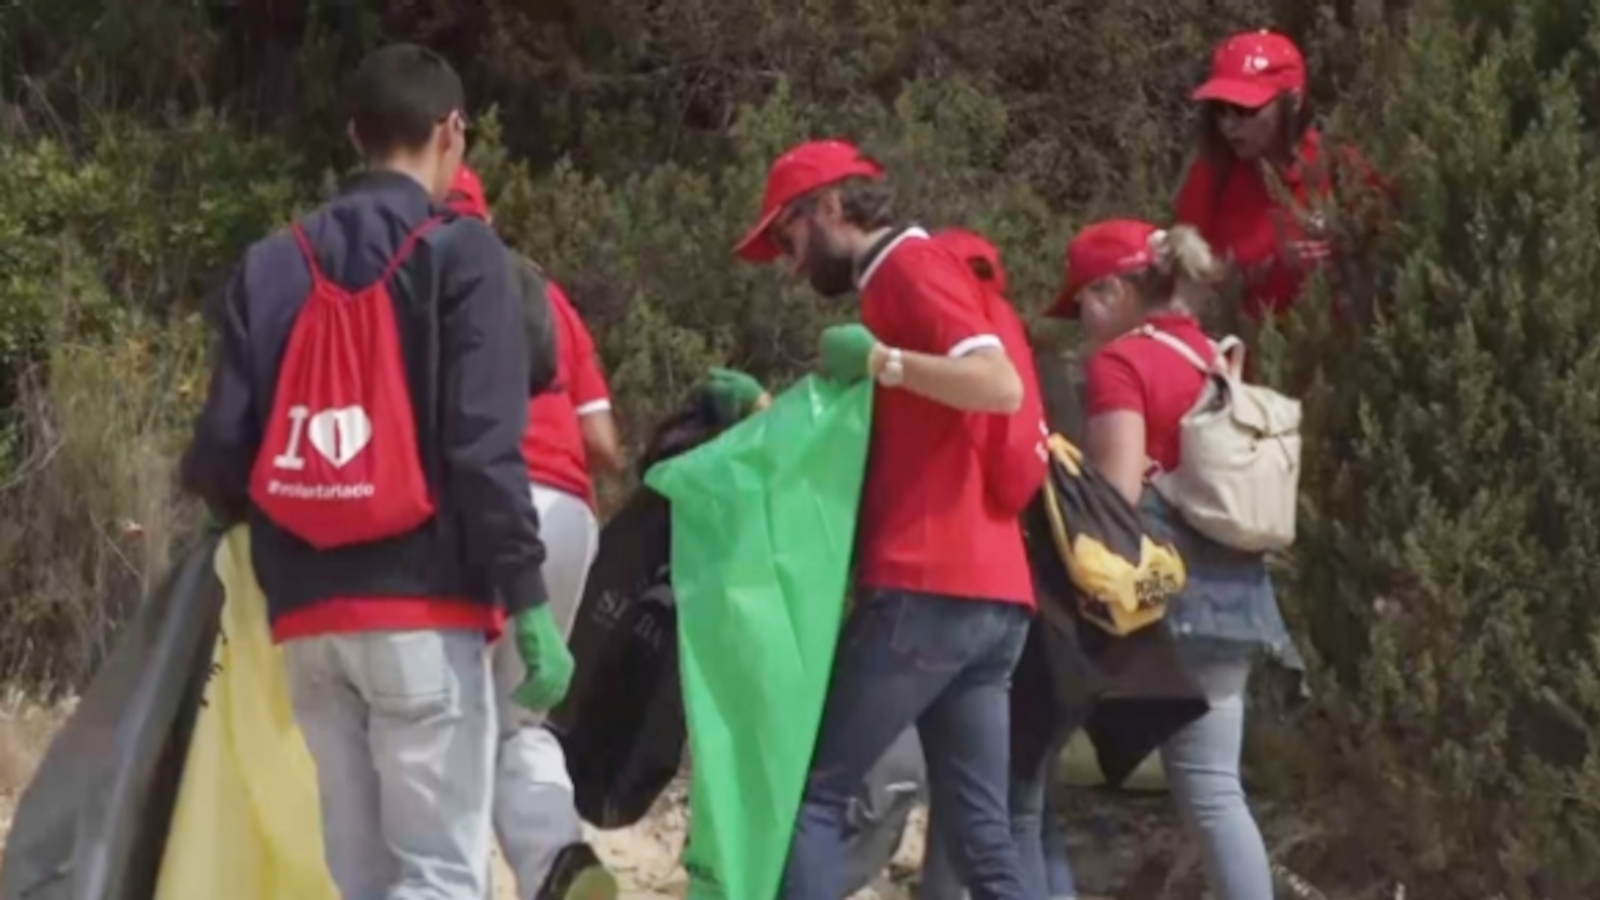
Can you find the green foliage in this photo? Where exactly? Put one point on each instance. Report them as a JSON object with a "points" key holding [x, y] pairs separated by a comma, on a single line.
{"points": [[1445, 571], [105, 255], [1442, 583]]}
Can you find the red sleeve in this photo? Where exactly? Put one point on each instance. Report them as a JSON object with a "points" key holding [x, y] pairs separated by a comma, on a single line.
{"points": [[586, 386], [1113, 384], [1196, 197], [938, 305]]}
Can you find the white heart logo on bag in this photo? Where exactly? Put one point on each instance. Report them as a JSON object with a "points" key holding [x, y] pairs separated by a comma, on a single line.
{"points": [[340, 434]]}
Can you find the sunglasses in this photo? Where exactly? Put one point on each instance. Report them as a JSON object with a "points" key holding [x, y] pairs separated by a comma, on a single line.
{"points": [[1235, 111]]}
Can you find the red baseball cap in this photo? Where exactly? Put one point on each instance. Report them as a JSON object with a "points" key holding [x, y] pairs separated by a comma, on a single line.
{"points": [[977, 252], [466, 194], [796, 173], [1251, 69], [1112, 247]]}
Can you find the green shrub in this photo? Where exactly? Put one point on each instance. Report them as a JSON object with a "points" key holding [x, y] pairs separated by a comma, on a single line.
{"points": [[106, 254], [1445, 573]]}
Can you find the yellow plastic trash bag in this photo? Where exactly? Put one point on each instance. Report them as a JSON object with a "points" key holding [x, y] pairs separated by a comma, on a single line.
{"points": [[247, 824]]}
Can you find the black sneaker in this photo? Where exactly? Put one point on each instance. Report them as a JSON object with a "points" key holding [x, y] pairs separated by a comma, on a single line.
{"points": [[578, 874]]}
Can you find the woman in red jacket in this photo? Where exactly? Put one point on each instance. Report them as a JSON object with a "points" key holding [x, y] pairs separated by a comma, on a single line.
{"points": [[1256, 188]]}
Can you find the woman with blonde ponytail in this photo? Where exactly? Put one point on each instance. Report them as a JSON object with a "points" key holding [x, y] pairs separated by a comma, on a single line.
{"points": [[1139, 290]]}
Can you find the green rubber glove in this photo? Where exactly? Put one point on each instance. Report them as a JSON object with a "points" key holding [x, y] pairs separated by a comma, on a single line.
{"points": [[847, 352], [733, 394], [544, 650]]}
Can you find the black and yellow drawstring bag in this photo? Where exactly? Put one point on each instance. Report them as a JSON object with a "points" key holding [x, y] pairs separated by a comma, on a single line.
{"points": [[1123, 575]]}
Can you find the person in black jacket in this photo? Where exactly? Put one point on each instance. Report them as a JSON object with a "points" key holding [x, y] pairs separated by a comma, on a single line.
{"points": [[385, 641]]}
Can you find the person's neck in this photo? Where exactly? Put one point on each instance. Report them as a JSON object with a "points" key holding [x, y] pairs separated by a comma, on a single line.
{"points": [[421, 171], [862, 242], [1177, 307]]}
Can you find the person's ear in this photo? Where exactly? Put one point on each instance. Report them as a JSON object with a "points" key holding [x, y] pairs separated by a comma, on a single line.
{"points": [[445, 135], [350, 132], [831, 206]]}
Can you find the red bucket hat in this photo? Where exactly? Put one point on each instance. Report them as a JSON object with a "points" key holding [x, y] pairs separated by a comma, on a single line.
{"points": [[977, 252], [796, 173], [1251, 69], [466, 194], [1112, 247]]}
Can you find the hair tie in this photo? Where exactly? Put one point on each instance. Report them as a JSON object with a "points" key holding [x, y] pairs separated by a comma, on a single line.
{"points": [[1158, 245]]}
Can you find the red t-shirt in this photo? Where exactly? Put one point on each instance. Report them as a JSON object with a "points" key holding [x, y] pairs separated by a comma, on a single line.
{"points": [[554, 442], [1141, 374], [926, 522], [1236, 212]]}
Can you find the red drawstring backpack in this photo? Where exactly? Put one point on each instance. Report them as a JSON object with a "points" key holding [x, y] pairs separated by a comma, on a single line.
{"points": [[339, 463]]}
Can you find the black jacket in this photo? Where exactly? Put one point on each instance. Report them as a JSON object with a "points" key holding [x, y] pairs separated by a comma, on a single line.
{"points": [[464, 337]]}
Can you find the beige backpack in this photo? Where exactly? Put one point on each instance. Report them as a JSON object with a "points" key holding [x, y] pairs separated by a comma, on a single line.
{"points": [[1238, 475]]}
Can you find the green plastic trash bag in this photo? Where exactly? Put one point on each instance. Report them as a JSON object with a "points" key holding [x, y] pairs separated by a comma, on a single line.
{"points": [[763, 526]]}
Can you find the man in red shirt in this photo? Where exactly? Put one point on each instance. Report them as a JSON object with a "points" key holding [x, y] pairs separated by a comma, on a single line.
{"points": [[570, 432], [944, 593]]}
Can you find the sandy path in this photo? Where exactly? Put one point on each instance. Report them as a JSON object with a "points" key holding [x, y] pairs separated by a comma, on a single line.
{"points": [[645, 856]]}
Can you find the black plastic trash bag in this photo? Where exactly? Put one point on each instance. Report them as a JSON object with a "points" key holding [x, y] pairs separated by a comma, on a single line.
{"points": [[622, 725], [92, 825]]}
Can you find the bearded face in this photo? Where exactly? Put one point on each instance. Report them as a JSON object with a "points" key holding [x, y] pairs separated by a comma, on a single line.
{"points": [[830, 268], [817, 252]]}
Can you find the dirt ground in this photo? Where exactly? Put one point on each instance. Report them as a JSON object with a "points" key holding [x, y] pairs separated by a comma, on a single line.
{"points": [[645, 857], [1122, 845]]}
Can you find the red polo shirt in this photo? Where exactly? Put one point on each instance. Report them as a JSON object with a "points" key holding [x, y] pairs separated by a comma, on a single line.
{"points": [[926, 523], [553, 444], [1143, 375], [1236, 212]]}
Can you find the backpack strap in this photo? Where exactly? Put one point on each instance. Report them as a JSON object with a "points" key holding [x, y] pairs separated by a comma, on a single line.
{"points": [[1230, 352], [309, 252], [395, 262], [410, 244]]}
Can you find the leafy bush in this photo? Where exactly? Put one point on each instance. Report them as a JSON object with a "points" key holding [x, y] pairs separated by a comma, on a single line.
{"points": [[106, 253], [1445, 573], [1442, 583]]}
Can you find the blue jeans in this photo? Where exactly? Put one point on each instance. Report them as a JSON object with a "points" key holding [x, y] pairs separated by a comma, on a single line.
{"points": [[1202, 766], [943, 664], [1041, 846]]}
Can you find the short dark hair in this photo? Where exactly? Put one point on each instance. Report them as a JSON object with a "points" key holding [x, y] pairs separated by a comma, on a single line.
{"points": [[398, 95], [867, 203]]}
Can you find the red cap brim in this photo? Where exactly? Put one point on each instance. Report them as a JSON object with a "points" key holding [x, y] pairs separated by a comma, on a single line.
{"points": [[1239, 92], [758, 245]]}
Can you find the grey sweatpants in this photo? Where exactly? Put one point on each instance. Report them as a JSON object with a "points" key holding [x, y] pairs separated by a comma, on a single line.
{"points": [[535, 813], [401, 725]]}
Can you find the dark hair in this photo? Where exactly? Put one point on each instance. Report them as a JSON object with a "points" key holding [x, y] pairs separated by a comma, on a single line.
{"points": [[867, 203], [398, 95], [1296, 122]]}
